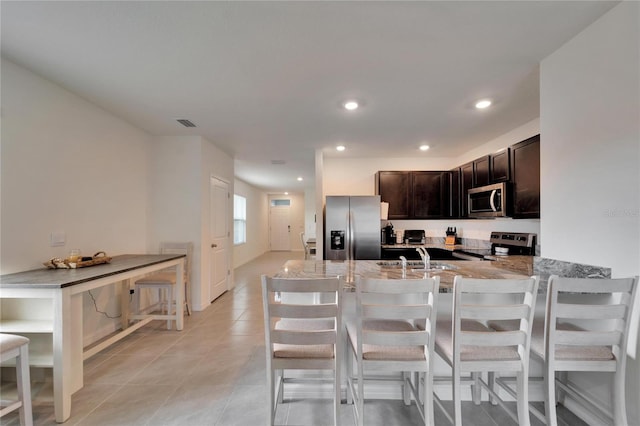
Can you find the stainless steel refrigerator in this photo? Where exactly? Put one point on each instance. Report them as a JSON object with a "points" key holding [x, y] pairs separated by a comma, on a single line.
{"points": [[352, 228]]}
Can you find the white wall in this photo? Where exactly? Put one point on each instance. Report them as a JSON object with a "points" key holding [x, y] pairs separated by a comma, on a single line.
{"points": [[310, 215], [213, 163], [590, 152], [319, 203], [590, 156], [174, 198], [180, 173], [68, 165], [257, 224]]}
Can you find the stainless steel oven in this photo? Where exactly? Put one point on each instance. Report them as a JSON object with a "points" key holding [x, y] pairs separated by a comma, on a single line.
{"points": [[488, 201]]}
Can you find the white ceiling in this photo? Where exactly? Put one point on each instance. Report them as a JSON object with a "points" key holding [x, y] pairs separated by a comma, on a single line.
{"points": [[264, 80]]}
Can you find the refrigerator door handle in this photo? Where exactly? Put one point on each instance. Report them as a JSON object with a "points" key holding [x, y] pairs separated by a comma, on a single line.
{"points": [[350, 241]]}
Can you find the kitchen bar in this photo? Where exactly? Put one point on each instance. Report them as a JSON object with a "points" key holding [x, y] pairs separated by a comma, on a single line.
{"points": [[508, 267]]}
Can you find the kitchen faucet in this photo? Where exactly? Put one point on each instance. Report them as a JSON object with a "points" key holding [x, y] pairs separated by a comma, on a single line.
{"points": [[424, 255], [404, 266]]}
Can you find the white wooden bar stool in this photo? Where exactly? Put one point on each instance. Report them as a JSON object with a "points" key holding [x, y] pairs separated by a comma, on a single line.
{"points": [[299, 335], [585, 328], [13, 346], [384, 337], [469, 346], [165, 281]]}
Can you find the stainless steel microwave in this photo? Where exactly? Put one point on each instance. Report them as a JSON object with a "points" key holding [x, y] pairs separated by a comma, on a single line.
{"points": [[488, 201]]}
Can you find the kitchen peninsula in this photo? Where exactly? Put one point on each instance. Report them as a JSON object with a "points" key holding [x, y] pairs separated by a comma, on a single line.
{"points": [[508, 267]]}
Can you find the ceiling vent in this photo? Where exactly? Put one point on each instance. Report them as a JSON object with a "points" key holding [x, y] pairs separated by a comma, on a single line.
{"points": [[186, 123]]}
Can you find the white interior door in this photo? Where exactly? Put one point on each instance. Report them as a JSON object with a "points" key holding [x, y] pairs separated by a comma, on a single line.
{"points": [[220, 202], [280, 228]]}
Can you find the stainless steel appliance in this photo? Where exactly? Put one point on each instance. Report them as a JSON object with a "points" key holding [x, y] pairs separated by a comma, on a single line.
{"points": [[502, 244], [488, 201], [352, 228], [507, 243], [414, 236]]}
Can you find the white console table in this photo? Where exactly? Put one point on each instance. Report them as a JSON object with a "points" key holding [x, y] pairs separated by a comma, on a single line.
{"points": [[61, 292]]}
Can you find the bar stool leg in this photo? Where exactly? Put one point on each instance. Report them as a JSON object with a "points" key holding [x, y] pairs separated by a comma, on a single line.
{"points": [[550, 397], [618, 398], [170, 301], [24, 386]]}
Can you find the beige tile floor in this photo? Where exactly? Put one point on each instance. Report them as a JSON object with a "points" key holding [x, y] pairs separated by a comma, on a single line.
{"points": [[213, 373]]}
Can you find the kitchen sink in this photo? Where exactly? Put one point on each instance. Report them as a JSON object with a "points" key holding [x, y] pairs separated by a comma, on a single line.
{"points": [[416, 265]]}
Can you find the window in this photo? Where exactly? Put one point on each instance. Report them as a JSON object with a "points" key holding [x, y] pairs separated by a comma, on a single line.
{"points": [[239, 219], [276, 203]]}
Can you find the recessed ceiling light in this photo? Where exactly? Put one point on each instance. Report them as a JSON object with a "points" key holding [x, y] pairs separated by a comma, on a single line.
{"points": [[340, 148], [424, 147], [286, 193], [350, 105], [483, 104], [299, 178]]}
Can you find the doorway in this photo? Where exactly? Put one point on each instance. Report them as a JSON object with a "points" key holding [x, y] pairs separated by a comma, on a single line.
{"points": [[219, 230], [280, 225]]}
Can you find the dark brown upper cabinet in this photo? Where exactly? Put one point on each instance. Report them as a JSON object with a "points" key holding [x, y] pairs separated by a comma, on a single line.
{"points": [[440, 195], [394, 188], [525, 175], [466, 183], [500, 166], [454, 191], [481, 175], [414, 195], [430, 194]]}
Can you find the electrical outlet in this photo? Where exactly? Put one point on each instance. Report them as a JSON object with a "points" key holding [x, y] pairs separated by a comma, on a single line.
{"points": [[57, 238], [131, 291]]}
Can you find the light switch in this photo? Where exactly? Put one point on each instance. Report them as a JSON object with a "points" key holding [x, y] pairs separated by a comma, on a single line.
{"points": [[58, 238]]}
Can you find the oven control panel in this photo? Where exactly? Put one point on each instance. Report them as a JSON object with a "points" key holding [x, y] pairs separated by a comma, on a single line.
{"points": [[519, 239]]}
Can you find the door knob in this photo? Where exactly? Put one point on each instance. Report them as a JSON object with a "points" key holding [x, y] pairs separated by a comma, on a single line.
{"points": [[214, 245]]}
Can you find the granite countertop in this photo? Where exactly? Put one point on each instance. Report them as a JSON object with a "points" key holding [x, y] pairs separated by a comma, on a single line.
{"points": [[505, 267]]}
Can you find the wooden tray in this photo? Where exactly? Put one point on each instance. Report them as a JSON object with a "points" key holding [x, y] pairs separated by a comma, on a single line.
{"points": [[97, 259]]}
